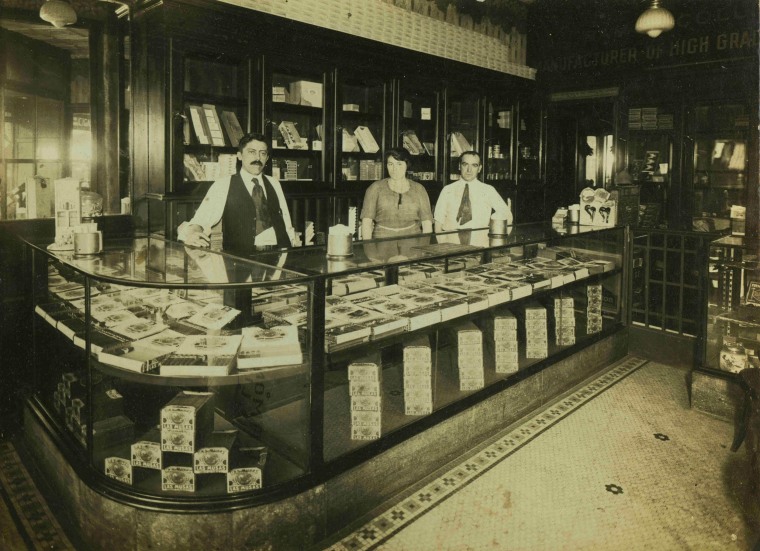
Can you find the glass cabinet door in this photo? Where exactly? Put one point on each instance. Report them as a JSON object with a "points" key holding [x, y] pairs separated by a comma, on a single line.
{"points": [[215, 107], [361, 130], [732, 340], [650, 160], [499, 142], [417, 128], [297, 125], [462, 110], [720, 163]]}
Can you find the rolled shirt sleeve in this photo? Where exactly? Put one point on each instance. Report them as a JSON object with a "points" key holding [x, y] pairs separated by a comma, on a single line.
{"points": [[211, 209]]}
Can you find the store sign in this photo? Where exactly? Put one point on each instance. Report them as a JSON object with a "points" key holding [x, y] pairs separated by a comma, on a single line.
{"points": [[664, 51]]}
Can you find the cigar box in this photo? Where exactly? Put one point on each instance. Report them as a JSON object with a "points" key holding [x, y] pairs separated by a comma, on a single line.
{"points": [[364, 388], [177, 479], [366, 403], [371, 432], [415, 408], [417, 350], [469, 384], [418, 395], [364, 372], [119, 469], [468, 333], [413, 369], [365, 418], [146, 452], [111, 431], [424, 317], [187, 418], [244, 479]]}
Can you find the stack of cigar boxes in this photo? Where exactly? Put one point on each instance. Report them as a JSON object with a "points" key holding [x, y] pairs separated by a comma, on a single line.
{"points": [[564, 320], [186, 421], [364, 383], [418, 380], [594, 308], [505, 342], [536, 339], [470, 356]]}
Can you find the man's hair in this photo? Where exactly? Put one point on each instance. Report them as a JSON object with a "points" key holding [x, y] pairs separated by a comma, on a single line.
{"points": [[248, 138], [470, 152]]}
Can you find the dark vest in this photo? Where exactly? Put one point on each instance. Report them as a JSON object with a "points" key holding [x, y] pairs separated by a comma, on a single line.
{"points": [[239, 218]]}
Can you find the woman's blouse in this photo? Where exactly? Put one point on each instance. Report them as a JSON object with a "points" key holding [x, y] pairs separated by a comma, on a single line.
{"points": [[396, 211]]}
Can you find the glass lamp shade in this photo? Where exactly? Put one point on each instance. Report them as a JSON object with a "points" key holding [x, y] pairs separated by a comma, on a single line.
{"points": [[655, 20], [58, 13]]}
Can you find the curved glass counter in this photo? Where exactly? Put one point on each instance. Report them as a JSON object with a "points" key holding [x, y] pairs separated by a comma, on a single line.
{"points": [[185, 378]]}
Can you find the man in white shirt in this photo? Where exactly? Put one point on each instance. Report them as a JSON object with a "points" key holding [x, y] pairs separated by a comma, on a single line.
{"points": [[468, 202], [250, 205]]}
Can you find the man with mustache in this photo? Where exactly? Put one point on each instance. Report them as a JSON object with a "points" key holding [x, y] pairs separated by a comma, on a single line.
{"points": [[250, 205]]}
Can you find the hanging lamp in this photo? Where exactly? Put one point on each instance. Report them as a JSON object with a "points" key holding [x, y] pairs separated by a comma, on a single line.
{"points": [[655, 20], [58, 13]]}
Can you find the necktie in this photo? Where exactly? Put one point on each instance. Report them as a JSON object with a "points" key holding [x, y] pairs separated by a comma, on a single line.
{"points": [[465, 208], [258, 201]]}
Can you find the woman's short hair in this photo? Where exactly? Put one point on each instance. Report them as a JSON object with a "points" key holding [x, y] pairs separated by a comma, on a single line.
{"points": [[400, 154]]}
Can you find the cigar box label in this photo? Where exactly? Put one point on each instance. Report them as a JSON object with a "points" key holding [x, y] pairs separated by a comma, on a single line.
{"points": [[506, 346], [507, 367], [178, 418], [211, 460], [417, 354], [535, 324], [177, 479], [365, 418], [471, 372], [536, 354], [417, 395], [146, 455], [418, 383], [365, 432], [243, 479], [70, 424], [363, 372], [471, 384], [469, 337], [564, 302], [366, 403], [119, 469], [364, 388], [418, 408], [177, 441], [417, 369], [57, 401]]}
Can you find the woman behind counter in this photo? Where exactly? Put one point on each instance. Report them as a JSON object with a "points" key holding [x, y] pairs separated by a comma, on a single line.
{"points": [[395, 206]]}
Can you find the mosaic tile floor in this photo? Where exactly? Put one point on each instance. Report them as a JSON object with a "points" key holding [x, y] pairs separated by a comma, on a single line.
{"points": [[619, 463], [26, 521]]}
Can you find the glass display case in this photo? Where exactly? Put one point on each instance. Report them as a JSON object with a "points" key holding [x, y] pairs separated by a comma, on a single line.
{"points": [[720, 163], [190, 374], [733, 309]]}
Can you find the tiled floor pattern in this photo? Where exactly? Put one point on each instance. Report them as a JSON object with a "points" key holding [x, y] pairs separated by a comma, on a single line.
{"points": [[632, 468], [33, 522]]}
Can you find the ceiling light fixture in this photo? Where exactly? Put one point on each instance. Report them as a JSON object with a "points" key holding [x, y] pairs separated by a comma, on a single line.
{"points": [[655, 20], [58, 13]]}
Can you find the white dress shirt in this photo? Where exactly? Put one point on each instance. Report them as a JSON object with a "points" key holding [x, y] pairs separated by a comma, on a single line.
{"points": [[211, 209], [483, 198]]}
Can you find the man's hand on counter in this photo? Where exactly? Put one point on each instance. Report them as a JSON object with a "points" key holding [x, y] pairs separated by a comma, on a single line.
{"points": [[196, 237]]}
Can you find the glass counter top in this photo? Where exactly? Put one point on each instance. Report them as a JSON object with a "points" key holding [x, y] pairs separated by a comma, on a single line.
{"points": [[380, 253], [155, 260]]}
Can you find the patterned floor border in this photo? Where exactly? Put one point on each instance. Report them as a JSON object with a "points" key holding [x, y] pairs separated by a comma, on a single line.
{"points": [[36, 521], [424, 500]]}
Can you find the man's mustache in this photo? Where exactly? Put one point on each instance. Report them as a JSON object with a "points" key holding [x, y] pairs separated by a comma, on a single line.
{"points": [[257, 163]]}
